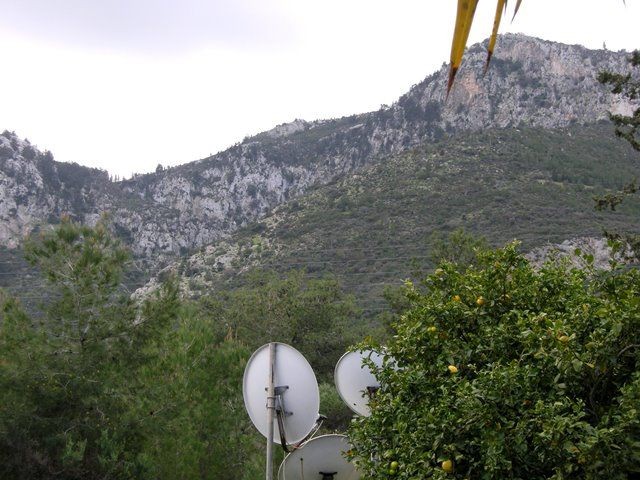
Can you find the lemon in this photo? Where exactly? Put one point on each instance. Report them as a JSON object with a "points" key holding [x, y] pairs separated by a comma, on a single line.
{"points": [[447, 466], [431, 329], [394, 465], [452, 369], [563, 339], [456, 298], [480, 301]]}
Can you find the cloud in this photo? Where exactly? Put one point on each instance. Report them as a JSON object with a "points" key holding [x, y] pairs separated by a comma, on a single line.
{"points": [[149, 26]]}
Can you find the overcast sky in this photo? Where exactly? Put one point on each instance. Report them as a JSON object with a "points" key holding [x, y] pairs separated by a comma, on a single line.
{"points": [[126, 84]]}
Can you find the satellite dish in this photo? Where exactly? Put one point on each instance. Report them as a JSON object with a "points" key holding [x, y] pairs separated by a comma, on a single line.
{"points": [[296, 391], [355, 382], [321, 458]]}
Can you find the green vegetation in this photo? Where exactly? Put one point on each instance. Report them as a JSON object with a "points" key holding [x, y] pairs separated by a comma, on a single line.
{"points": [[375, 228], [312, 314], [77, 395], [96, 386], [459, 247], [195, 425], [502, 371], [65, 406]]}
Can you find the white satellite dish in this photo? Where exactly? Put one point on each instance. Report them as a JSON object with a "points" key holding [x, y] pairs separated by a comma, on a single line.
{"points": [[321, 458], [296, 391], [355, 382]]}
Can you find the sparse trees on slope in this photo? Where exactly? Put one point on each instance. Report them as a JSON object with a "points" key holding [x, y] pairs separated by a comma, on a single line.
{"points": [[627, 85], [627, 128]]}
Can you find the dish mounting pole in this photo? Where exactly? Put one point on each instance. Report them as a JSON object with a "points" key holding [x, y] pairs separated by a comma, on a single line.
{"points": [[271, 408]]}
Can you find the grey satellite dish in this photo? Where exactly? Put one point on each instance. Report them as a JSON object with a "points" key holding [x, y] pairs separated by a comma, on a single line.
{"points": [[321, 458], [296, 392], [355, 382]]}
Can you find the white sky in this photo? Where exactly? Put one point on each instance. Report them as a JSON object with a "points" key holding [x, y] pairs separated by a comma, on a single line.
{"points": [[126, 84]]}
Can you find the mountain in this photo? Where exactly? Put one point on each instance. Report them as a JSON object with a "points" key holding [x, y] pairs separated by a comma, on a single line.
{"points": [[532, 82], [373, 228]]}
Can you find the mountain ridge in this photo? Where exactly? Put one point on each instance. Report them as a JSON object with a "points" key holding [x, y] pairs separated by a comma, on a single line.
{"points": [[372, 228], [531, 82]]}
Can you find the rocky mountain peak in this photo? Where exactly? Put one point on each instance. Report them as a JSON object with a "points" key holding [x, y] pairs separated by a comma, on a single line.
{"points": [[530, 82], [290, 128]]}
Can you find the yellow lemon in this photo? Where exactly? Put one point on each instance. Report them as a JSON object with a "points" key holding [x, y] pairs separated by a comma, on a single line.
{"points": [[447, 466], [452, 369], [456, 298], [480, 301], [431, 329]]}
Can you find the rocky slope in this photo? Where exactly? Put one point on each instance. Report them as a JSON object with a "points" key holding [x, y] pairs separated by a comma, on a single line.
{"points": [[581, 251], [34, 189], [374, 228], [531, 82]]}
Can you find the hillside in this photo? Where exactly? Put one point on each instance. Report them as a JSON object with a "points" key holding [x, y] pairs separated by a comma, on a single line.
{"points": [[168, 213], [372, 229]]}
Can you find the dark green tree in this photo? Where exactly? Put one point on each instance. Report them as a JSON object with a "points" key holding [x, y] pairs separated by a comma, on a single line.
{"points": [[313, 315], [68, 376], [195, 422], [457, 247]]}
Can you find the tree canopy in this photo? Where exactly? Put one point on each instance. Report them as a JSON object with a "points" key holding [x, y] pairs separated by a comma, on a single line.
{"points": [[503, 371], [96, 386]]}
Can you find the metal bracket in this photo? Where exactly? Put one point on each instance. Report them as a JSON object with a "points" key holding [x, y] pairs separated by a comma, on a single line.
{"points": [[281, 389], [328, 476], [279, 403]]}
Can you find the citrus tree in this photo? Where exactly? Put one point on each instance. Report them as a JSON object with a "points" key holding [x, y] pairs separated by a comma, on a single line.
{"points": [[504, 371]]}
